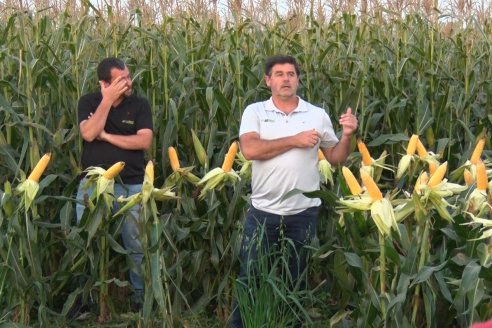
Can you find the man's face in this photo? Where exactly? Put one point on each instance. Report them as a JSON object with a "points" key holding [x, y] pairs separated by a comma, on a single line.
{"points": [[283, 81], [125, 75]]}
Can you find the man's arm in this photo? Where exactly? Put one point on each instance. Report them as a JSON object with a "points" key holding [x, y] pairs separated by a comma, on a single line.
{"points": [[338, 155], [253, 147], [141, 141], [92, 127]]}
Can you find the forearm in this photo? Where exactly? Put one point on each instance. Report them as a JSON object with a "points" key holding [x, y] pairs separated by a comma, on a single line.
{"points": [[338, 154], [140, 141], [92, 126], [261, 149]]}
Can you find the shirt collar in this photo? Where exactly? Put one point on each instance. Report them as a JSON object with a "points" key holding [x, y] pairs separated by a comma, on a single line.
{"points": [[301, 106]]}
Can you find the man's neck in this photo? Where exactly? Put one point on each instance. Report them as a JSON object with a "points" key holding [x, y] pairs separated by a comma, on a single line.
{"points": [[286, 105]]}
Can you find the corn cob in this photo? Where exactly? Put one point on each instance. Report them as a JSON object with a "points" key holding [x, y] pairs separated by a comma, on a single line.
{"points": [[432, 167], [40, 168], [173, 159], [372, 187], [149, 171], [421, 149], [366, 157], [421, 180], [412, 144], [114, 170], [467, 175], [482, 180], [321, 156], [477, 152], [229, 158], [352, 183], [437, 177]]}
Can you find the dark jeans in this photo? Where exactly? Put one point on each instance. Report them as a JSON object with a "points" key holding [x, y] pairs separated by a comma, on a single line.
{"points": [[297, 229]]}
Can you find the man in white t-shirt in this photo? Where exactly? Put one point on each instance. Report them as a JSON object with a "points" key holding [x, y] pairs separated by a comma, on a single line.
{"points": [[282, 136]]}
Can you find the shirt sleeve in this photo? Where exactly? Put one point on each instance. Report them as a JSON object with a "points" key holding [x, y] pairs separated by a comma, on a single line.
{"points": [[144, 116], [328, 136], [85, 107], [249, 121]]}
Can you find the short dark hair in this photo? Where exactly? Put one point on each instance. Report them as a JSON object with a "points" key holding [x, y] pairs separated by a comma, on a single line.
{"points": [[106, 65], [280, 59]]}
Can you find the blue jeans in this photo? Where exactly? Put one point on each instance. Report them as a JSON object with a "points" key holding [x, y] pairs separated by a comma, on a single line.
{"points": [[130, 230], [300, 228]]}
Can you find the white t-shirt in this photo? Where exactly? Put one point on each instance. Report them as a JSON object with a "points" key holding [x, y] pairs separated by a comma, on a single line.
{"points": [[294, 169]]}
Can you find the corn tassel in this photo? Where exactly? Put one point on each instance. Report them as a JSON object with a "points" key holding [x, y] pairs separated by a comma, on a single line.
{"points": [[412, 144], [114, 170], [475, 157], [366, 157], [40, 168], [372, 187], [229, 158], [421, 149], [467, 175], [173, 159], [482, 180], [352, 183], [437, 177]]}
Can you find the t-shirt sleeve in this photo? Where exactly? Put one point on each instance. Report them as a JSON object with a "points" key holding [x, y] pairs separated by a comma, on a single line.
{"points": [[328, 136], [249, 121], [84, 108], [144, 118]]}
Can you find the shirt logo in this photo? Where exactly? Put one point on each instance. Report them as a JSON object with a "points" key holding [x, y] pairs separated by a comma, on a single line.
{"points": [[268, 120], [129, 122]]}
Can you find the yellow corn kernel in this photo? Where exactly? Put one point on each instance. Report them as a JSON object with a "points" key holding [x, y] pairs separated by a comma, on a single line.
{"points": [[40, 168], [421, 149], [114, 170], [351, 181], [173, 158], [477, 152], [437, 177], [482, 180], [412, 144], [321, 156], [366, 157], [371, 186], [229, 157], [468, 177], [149, 171]]}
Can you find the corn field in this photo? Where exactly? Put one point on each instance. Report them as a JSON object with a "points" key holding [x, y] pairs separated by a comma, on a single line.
{"points": [[416, 255]]}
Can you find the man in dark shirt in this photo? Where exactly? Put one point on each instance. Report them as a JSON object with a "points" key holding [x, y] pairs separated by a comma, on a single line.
{"points": [[117, 126]]}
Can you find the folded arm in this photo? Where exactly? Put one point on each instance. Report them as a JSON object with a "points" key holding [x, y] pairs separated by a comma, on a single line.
{"points": [[142, 140]]}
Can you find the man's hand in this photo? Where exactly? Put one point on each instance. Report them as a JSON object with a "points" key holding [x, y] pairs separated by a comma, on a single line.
{"points": [[113, 91], [349, 123], [307, 139]]}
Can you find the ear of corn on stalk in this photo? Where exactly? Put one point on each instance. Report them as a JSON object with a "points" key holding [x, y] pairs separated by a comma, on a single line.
{"points": [[477, 152], [371, 186], [468, 177], [351, 181], [229, 158], [199, 150], [437, 177], [482, 179], [366, 156], [114, 170], [173, 158], [40, 168], [325, 169], [412, 144], [421, 149]]}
